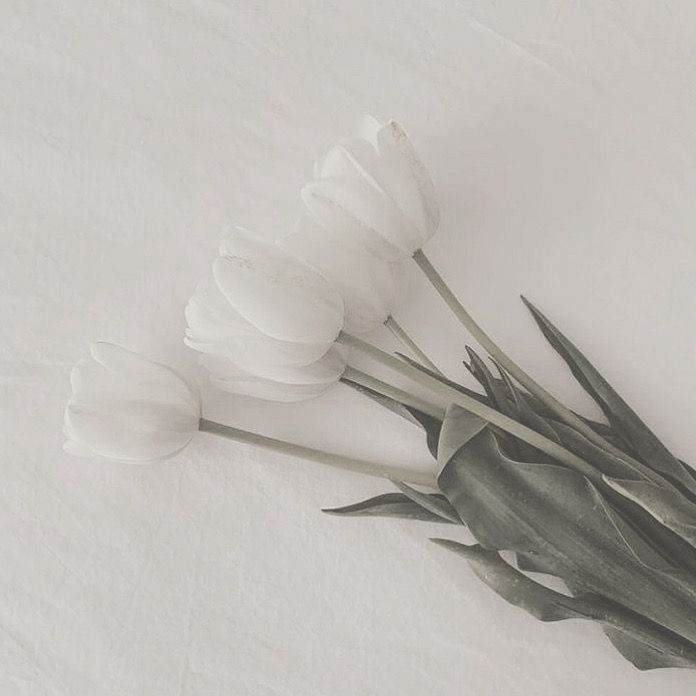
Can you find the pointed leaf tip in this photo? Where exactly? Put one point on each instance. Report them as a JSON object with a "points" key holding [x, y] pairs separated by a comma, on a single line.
{"points": [[395, 505], [621, 416], [437, 505]]}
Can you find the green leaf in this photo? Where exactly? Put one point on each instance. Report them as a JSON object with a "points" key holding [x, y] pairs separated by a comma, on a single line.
{"points": [[649, 448], [524, 413], [390, 505], [437, 504], [459, 428], [431, 426], [601, 459], [667, 506], [602, 429], [441, 378], [499, 397], [495, 389], [557, 515], [512, 585], [645, 643], [532, 563], [646, 656], [678, 553]]}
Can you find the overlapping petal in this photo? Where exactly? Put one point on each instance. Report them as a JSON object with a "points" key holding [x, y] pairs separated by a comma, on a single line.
{"points": [[127, 407], [285, 385], [279, 294], [266, 322], [370, 286], [375, 188], [215, 327]]}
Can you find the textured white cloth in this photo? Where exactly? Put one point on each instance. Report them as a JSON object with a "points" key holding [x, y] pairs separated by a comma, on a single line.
{"points": [[560, 137]]}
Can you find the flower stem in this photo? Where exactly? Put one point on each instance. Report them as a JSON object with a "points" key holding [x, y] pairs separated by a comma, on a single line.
{"points": [[451, 395], [336, 461], [410, 344], [404, 397], [487, 343]]}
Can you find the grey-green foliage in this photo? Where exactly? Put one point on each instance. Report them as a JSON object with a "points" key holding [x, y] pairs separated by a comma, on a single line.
{"points": [[554, 515], [625, 546], [645, 643]]}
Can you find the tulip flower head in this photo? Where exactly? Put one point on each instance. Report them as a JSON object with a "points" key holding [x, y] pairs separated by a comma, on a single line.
{"points": [[375, 189], [127, 407], [266, 322]]}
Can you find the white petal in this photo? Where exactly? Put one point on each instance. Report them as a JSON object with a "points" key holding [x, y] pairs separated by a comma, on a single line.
{"points": [[389, 172], [283, 297], [268, 390], [128, 364], [367, 283], [386, 156], [351, 159], [403, 169], [326, 370], [294, 384], [395, 197], [128, 431], [127, 407], [369, 128], [215, 327], [365, 212]]}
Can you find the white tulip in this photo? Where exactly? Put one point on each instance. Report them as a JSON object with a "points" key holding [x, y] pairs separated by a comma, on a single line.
{"points": [[375, 189], [370, 286], [128, 408], [266, 322]]}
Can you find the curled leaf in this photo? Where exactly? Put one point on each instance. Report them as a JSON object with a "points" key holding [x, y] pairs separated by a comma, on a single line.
{"points": [[647, 644], [395, 505], [437, 504], [667, 505], [555, 515]]}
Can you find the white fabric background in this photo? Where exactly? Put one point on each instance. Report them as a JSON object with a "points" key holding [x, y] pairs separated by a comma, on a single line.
{"points": [[561, 139]]}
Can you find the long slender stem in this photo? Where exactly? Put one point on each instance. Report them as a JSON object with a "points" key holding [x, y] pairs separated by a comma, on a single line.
{"points": [[393, 392], [451, 395], [410, 344], [336, 461], [487, 343]]}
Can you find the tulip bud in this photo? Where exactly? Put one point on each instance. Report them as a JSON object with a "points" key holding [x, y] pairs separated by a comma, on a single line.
{"points": [[128, 408], [375, 188], [266, 322]]}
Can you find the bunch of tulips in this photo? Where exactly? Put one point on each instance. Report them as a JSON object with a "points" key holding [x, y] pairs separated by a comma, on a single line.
{"points": [[605, 507]]}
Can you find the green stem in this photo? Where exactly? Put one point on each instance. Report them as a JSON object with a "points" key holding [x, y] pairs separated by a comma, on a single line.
{"points": [[410, 344], [336, 461], [487, 343], [392, 392], [451, 395]]}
